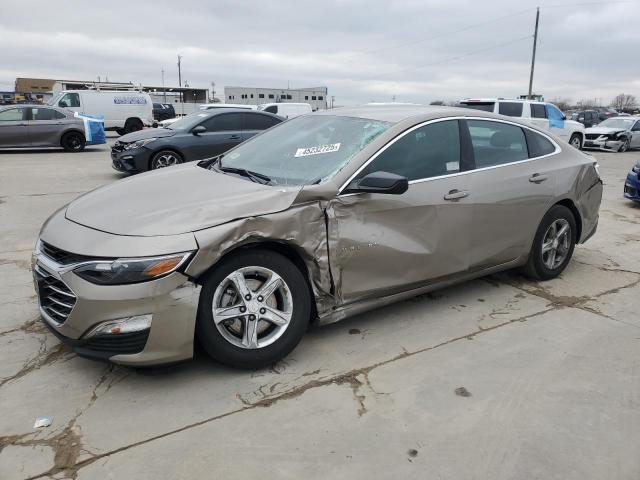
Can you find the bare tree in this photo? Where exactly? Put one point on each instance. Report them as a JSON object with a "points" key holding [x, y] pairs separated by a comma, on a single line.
{"points": [[624, 102], [562, 103]]}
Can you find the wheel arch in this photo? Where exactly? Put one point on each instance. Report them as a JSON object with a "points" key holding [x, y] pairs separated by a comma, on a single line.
{"points": [[568, 203], [164, 149], [69, 131]]}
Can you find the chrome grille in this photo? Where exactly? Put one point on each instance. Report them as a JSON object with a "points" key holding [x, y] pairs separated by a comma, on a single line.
{"points": [[593, 136], [56, 299]]}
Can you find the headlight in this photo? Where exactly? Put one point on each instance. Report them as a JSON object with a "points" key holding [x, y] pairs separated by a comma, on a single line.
{"points": [[636, 167], [139, 143], [131, 270]]}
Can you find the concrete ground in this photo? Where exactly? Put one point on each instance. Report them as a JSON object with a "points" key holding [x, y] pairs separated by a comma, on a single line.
{"points": [[498, 378]]}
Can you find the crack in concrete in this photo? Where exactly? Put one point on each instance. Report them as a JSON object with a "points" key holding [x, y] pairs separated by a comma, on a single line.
{"points": [[348, 378], [43, 357], [31, 326]]}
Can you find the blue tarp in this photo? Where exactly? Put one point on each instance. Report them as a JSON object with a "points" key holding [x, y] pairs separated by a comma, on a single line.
{"points": [[93, 128], [555, 116]]}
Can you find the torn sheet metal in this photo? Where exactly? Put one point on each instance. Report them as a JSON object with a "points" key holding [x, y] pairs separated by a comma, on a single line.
{"points": [[302, 227]]}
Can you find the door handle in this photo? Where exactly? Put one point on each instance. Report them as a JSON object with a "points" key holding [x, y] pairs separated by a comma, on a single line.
{"points": [[456, 194], [537, 178]]}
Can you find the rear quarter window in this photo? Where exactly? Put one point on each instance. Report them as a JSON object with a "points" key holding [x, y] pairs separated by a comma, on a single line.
{"points": [[510, 109], [538, 145]]}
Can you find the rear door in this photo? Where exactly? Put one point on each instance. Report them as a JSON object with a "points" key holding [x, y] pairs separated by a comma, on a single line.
{"points": [[224, 131], [14, 129], [511, 187], [255, 122], [45, 126], [383, 243]]}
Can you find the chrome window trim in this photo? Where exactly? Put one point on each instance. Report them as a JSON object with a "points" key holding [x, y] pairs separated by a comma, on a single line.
{"points": [[428, 179]]}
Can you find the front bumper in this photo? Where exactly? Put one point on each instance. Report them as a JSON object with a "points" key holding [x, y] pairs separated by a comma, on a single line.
{"points": [[72, 307], [632, 187], [603, 144], [130, 161]]}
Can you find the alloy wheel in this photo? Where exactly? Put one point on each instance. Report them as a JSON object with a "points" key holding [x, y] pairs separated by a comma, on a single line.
{"points": [[624, 147], [166, 160], [575, 142], [556, 243], [252, 307]]}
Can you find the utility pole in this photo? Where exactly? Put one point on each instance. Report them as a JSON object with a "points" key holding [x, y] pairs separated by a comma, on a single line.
{"points": [[180, 82], [533, 56], [164, 91]]}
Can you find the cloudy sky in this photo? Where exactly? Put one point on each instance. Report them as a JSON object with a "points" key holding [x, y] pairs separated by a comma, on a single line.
{"points": [[362, 50]]}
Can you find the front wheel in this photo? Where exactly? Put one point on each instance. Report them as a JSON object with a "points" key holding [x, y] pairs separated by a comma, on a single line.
{"points": [[553, 244], [165, 158], [576, 141], [73, 142], [625, 146], [254, 309]]}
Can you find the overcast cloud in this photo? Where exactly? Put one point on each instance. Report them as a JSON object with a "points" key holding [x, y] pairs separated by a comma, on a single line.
{"points": [[362, 50]]}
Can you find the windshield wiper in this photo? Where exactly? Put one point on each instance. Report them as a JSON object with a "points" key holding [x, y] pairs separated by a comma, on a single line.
{"points": [[253, 176]]}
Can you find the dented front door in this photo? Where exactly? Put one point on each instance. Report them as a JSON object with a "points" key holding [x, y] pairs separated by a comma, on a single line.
{"points": [[380, 244]]}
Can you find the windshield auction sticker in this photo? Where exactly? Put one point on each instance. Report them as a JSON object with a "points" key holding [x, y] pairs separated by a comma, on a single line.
{"points": [[303, 152]]}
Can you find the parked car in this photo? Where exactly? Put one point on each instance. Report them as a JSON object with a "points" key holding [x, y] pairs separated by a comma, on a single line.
{"points": [[193, 137], [323, 217], [541, 114], [209, 106], [589, 118], [123, 111], [286, 110], [26, 126], [163, 111], [632, 184], [617, 134], [605, 112]]}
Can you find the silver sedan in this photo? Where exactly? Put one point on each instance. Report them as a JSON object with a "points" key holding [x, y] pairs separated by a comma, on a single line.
{"points": [[316, 219]]}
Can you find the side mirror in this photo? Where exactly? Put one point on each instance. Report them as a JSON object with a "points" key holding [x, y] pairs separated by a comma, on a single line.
{"points": [[379, 182], [198, 130]]}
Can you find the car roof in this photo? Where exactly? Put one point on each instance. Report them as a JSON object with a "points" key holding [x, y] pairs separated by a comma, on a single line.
{"points": [[219, 111], [397, 113]]}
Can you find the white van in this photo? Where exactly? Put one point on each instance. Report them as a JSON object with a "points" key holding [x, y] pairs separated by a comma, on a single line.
{"points": [[286, 110], [123, 111]]}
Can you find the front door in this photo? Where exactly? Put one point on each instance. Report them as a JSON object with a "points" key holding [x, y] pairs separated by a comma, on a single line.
{"points": [[379, 243], [224, 131], [14, 130]]}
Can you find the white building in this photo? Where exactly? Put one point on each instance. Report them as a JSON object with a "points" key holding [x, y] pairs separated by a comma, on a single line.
{"points": [[315, 96]]}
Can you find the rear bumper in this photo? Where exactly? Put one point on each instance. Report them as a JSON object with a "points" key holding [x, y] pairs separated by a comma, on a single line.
{"points": [[632, 187]]}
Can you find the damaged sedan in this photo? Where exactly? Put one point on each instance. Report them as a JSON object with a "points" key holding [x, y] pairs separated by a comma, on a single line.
{"points": [[320, 218], [617, 134]]}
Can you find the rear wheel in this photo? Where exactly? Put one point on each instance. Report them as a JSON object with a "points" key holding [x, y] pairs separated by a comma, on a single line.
{"points": [[133, 125], [553, 244], [254, 309], [576, 141], [165, 158], [73, 142]]}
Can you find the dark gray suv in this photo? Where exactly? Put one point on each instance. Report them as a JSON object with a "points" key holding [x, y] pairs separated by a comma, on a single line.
{"points": [[35, 126], [197, 136]]}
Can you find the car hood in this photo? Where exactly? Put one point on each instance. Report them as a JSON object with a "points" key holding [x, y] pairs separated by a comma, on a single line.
{"points": [[175, 200], [603, 130], [146, 133]]}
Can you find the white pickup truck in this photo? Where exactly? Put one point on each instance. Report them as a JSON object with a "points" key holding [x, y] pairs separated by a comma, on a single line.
{"points": [[540, 114]]}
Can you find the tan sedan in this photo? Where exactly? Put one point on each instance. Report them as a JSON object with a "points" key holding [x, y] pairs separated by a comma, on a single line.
{"points": [[314, 220]]}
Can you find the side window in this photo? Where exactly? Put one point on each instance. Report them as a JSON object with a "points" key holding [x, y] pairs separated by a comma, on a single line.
{"points": [[69, 100], [582, 117], [11, 115], [510, 109], [272, 109], [538, 145], [223, 123], [44, 114], [636, 127], [255, 121], [496, 143], [428, 151], [538, 111]]}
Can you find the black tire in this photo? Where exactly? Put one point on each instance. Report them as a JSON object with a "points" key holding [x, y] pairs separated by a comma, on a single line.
{"points": [[626, 145], [133, 125], [156, 161], [73, 142], [576, 141], [536, 267], [229, 354]]}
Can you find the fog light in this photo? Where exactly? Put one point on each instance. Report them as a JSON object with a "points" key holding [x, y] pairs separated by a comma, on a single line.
{"points": [[122, 325]]}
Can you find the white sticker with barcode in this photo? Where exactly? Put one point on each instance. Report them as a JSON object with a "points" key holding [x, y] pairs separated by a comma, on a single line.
{"points": [[303, 152], [453, 166]]}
